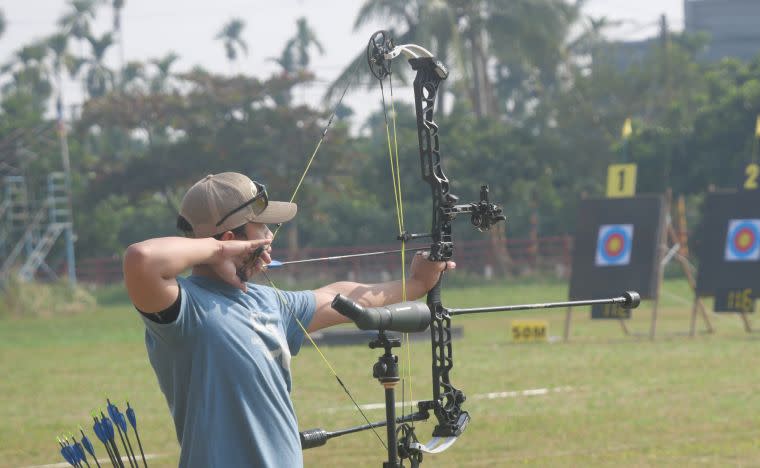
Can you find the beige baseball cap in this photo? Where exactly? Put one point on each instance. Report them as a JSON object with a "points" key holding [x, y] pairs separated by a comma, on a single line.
{"points": [[225, 201]]}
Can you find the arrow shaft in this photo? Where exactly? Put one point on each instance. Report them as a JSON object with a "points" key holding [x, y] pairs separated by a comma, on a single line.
{"points": [[343, 257]]}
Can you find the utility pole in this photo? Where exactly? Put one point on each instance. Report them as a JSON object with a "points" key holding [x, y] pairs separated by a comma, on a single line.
{"points": [[69, 232], [665, 51]]}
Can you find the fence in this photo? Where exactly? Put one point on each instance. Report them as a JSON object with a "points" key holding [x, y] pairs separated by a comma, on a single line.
{"points": [[490, 258]]}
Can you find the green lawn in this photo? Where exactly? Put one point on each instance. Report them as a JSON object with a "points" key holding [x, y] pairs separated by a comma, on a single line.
{"points": [[612, 400]]}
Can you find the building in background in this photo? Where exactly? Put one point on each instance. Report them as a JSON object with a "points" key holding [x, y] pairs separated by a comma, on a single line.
{"points": [[733, 27]]}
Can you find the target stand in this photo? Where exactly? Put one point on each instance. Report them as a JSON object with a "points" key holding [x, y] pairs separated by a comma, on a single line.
{"points": [[730, 253]]}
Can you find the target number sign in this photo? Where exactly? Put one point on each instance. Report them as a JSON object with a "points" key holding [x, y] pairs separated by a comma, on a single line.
{"points": [[752, 172], [743, 240], [621, 180], [527, 331], [613, 245]]}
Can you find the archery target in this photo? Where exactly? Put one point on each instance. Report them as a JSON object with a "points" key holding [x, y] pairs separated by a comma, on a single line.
{"points": [[616, 246], [613, 245], [728, 244], [743, 240]]}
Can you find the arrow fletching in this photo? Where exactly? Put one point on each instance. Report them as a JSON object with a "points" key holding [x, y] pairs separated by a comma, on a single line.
{"points": [[113, 411], [66, 454], [79, 450], [131, 417], [107, 427], [87, 444], [97, 428]]}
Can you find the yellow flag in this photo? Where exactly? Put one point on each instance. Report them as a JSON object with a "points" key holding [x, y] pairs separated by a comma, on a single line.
{"points": [[628, 128], [757, 127]]}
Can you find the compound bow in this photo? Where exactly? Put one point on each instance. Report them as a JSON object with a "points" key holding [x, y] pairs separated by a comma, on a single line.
{"points": [[447, 400]]}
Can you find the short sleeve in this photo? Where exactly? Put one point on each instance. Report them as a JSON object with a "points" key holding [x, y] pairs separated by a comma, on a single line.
{"points": [[302, 304], [188, 320]]}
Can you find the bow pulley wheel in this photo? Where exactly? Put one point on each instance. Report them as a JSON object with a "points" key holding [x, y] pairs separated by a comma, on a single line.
{"points": [[407, 442], [379, 45]]}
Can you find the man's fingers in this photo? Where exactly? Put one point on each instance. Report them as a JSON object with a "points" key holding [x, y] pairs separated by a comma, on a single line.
{"points": [[259, 244]]}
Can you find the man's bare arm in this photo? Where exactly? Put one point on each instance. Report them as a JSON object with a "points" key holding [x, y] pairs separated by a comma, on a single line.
{"points": [[424, 275], [151, 266]]}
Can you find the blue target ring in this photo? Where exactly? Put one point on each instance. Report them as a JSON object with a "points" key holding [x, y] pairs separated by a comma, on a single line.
{"points": [[614, 245], [735, 235]]}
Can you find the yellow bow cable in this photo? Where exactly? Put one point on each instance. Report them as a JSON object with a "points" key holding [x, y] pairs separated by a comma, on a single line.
{"points": [[281, 297], [396, 177]]}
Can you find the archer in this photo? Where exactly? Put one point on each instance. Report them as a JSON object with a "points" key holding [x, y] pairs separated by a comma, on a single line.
{"points": [[221, 346]]}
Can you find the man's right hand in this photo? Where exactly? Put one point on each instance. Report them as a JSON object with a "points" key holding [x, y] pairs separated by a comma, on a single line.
{"points": [[232, 256]]}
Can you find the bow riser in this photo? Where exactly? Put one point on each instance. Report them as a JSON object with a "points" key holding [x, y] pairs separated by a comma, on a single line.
{"points": [[447, 399]]}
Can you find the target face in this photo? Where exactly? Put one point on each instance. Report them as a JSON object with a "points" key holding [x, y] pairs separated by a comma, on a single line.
{"points": [[613, 245], [743, 240]]}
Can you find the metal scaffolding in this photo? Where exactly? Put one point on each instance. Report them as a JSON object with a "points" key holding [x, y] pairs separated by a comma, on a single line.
{"points": [[33, 218]]}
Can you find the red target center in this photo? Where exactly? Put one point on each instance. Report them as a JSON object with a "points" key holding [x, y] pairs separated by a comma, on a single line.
{"points": [[614, 244], [744, 239]]}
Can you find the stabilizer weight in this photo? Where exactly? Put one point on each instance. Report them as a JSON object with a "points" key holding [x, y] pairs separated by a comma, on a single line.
{"points": [[313, 438]]}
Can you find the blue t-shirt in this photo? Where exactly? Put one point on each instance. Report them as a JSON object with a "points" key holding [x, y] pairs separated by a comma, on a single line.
{"points": [[224, 367]]}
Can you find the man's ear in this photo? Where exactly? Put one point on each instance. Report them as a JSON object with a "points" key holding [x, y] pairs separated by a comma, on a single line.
{"points": [[227, 235]]}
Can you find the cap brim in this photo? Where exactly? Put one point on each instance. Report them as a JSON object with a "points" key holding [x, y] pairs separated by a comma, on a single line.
{"points": [[276, 212]]}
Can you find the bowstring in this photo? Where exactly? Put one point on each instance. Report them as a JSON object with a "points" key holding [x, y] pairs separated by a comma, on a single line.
{"points": [[321, 139], [279, 293], [398, 198]]}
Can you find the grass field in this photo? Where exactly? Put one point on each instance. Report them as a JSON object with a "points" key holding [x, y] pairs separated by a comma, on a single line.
{"points": [[612, 400]]}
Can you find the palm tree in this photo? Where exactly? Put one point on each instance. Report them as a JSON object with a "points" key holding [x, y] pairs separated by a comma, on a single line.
{"points": [[2, 23], [160, 81], [230, 35], [133, 72], [76, 23], [30, 75], [304, 39], [99, 77], [514, 42], [286, 59], [77, 20], [438, 33], [57, 45], [117, 6]]}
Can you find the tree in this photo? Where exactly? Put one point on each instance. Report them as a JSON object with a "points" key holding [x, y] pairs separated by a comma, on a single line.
{"points": [[302, 42], [117, 6], [2, 23], [133, 74], [231, 37], [76, 21], [99, 77], [295, 57], [30, 85], [160, 81]]}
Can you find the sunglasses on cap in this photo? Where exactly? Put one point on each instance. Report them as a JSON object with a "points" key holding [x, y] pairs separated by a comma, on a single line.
{"points": [[258, 203]]}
